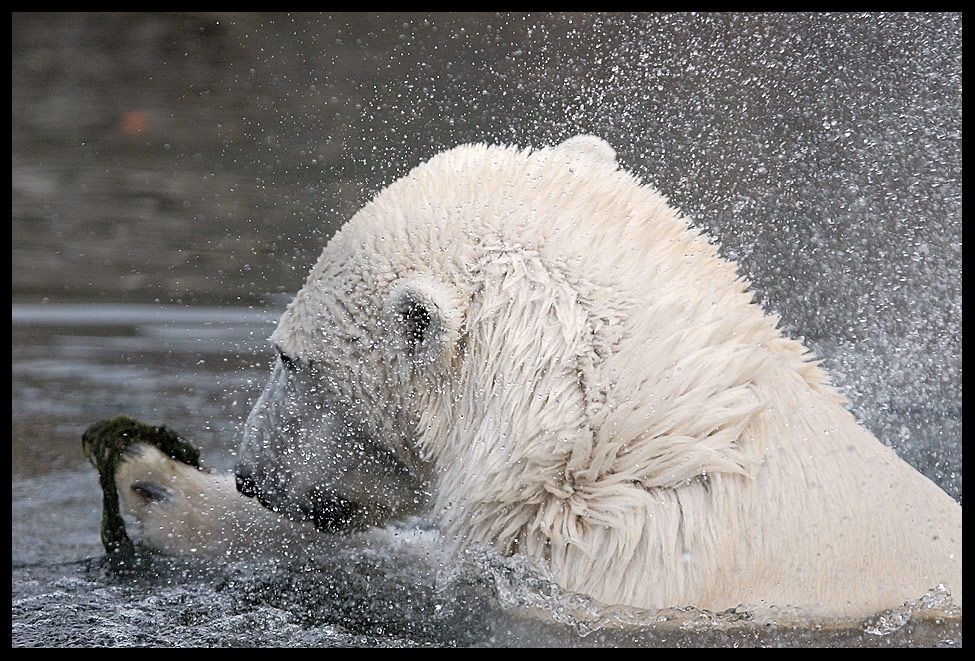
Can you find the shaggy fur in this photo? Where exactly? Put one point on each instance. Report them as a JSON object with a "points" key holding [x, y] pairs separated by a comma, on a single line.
{"points": [[542, 355]]}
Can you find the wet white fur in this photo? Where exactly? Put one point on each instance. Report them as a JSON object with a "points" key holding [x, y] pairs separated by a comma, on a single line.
{"points": [[606, 396]]}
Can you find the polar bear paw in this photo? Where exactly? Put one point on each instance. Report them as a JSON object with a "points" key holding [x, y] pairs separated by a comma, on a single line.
{"points": [[154, 477]]}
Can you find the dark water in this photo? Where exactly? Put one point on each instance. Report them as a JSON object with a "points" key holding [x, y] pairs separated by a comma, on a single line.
{"points": [[174, 176]]}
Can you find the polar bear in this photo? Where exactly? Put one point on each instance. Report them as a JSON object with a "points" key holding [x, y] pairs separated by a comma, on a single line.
{"points": [[538, 353]]}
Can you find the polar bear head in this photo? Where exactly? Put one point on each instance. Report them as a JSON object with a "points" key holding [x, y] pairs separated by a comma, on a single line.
{"points": [[520, 342]]}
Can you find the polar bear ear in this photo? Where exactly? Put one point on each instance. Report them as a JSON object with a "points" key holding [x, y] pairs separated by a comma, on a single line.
{"points": [[425, 316], [587, 148]]}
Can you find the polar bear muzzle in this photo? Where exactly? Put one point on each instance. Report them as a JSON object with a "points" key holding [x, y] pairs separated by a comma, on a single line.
{"points": [[308, 457]]}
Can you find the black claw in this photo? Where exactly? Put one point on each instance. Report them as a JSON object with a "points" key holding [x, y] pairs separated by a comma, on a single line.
{"points": [[151, 491]]}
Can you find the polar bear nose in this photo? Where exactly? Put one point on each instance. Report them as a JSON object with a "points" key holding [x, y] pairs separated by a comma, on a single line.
{"points": [[245, 481]]}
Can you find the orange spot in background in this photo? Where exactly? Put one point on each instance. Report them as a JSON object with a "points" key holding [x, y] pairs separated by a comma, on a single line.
{"points": [[134, 122]]}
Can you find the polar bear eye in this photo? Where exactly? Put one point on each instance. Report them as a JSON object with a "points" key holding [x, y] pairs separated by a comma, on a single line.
{"points": [[289, 362]]}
